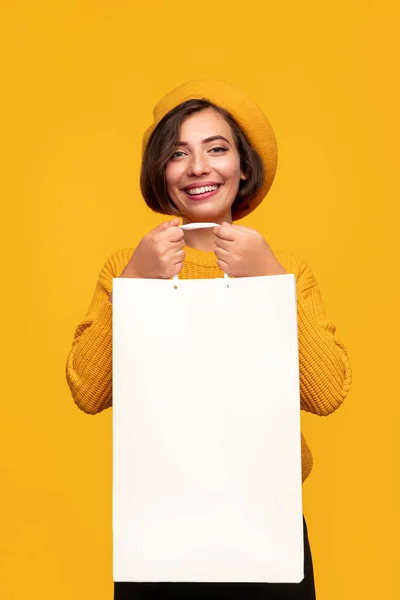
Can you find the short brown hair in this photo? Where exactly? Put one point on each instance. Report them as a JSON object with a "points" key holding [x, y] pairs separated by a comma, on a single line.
{"points": [[162, 144]]}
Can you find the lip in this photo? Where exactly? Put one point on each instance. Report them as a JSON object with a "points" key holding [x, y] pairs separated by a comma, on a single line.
{"points": [[201, 184], [205, 196]]}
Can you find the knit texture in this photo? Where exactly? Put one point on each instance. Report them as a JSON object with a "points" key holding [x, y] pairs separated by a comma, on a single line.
{"points": [[325, 373]]}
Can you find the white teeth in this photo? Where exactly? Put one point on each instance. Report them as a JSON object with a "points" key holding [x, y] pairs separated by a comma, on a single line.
{"points": [[202, 190]]}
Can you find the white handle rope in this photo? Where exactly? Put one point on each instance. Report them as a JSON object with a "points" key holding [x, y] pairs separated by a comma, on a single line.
{"points": [[189, 227]]}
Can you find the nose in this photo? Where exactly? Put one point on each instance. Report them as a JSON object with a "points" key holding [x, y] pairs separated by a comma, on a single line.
{"points": [[198, 164]]}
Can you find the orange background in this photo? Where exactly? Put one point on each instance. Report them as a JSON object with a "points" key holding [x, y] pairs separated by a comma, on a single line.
{"points": [[79, 80]]}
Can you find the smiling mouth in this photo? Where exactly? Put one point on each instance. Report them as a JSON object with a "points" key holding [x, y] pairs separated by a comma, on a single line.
{"points": [[205, 191]]}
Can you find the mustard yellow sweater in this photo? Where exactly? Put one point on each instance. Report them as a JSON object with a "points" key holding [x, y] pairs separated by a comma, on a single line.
{"points": [[325, 374]]}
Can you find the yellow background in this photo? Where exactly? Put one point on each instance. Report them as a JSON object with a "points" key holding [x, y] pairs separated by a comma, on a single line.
{"points": [[79, 80]]}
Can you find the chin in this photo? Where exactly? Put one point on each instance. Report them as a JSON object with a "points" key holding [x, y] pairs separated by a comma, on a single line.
{"points": [[207, 214], [203, 218]]}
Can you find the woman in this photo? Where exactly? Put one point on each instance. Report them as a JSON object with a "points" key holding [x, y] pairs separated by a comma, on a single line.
{"points": [[210, 155]]}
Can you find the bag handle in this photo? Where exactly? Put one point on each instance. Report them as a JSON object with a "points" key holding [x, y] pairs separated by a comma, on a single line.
{"points": [[190, 226]]}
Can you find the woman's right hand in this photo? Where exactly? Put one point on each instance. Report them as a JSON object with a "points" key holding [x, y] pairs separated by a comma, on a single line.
{"points": [[160, 253]]}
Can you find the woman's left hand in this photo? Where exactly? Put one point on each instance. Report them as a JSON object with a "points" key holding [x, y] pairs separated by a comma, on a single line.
{"points": [[243, 252]]}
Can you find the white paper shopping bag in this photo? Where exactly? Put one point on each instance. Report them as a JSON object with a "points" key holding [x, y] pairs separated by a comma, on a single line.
{"points": [[206, 431]]}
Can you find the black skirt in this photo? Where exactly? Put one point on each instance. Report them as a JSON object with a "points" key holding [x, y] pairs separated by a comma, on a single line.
{"points": [[229, 591]]}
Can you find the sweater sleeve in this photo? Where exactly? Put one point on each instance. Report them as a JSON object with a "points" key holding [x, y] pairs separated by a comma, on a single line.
{"points": [[89, 362], [325, 372]]}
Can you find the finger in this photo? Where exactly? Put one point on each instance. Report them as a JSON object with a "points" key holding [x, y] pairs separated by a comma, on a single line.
{"points": [[177, 268], [177, 242], [222, 254], [223, 266], [162, 226], [225, 232], [175, 234], [222, 243], [174, 248], [172, 254], [179, 257]]}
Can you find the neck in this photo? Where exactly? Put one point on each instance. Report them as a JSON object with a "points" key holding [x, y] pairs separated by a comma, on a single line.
{"points": [[203, 239]]}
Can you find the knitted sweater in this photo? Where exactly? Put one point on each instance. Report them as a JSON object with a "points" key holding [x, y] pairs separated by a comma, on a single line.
{"points": [[325, 374]]}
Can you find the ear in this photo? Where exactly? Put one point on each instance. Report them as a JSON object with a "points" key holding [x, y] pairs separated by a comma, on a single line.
{"points": [[243, 176]]}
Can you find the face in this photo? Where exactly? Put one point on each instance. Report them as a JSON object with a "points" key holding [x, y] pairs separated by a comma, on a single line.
{"points": [[204, 173]]}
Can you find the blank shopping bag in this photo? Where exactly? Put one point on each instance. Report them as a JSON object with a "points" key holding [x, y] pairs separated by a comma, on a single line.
{"points": [[206, 431]]}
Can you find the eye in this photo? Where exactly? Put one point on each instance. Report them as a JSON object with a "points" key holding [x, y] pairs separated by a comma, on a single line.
{"points": [[177, 154], [218, 150]]}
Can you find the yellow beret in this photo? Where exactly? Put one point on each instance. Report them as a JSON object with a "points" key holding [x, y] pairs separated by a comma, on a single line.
{"points": [[243, 109]]}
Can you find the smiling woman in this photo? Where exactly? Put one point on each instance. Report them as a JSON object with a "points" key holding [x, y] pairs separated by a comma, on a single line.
{"points": [[199, 144], [210, 155], [203, 177]]}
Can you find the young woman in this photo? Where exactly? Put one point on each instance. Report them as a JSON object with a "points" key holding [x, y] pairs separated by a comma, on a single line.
{"points": [[210, 156]]}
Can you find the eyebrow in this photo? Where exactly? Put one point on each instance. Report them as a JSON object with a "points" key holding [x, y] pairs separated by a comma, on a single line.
{"points": [[207, 140]]}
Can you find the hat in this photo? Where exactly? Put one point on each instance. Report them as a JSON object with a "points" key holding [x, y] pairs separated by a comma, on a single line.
{"points": [[247, 115]]}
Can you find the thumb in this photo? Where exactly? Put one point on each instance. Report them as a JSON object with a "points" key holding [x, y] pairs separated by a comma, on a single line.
{"points": [[243, 228], [163, 226]]}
